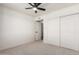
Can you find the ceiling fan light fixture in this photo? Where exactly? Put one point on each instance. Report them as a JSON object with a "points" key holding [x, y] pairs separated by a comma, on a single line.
{"points": [[34, 8]]}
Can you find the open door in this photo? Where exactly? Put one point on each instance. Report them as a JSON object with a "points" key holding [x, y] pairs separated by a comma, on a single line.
{"points": [[41, 31], [38, 31]]}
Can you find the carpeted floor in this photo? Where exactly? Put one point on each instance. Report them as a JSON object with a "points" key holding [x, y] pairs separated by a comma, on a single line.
{"points": [[38, 48]]}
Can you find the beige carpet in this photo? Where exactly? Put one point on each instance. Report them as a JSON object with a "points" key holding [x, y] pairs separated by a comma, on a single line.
{"points": [[38, 48]]}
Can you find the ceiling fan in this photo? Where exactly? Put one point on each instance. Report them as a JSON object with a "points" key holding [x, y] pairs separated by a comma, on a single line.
{"points": [[35, 7]]}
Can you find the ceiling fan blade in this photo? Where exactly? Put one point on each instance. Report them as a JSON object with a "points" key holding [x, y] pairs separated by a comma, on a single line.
{"points": [[41, 9], [35, 11], [31, 4], [38, 4], [29, 8], [35, 4]]}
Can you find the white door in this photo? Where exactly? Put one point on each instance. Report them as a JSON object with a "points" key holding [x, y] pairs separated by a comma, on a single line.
{"points": [[76, 31], [37, 31], [69, 35]]}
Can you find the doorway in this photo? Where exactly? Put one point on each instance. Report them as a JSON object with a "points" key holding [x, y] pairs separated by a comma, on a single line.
{"points": [[39, 30]]}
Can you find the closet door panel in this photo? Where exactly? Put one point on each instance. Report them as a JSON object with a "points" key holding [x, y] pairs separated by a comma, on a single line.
{"points": [[68, 39], [76, 31]]}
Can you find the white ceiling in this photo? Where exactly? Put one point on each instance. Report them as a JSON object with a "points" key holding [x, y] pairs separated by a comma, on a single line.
{"points": [[50, 7]]}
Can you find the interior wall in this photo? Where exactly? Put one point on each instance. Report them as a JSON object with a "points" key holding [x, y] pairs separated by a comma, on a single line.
{"points": [[15, 28], [53, 28], [51, 31]]}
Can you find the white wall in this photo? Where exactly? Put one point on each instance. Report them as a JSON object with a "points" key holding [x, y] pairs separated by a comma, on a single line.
{"points": [[51, 31], [16, 28], [61, 12], [63, 35]]}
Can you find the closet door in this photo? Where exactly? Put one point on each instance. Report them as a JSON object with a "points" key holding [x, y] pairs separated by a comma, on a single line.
{"points": [[68, 31], [53, 31], [76, 31]]}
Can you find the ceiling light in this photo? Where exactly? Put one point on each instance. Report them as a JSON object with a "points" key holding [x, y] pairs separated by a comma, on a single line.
{"points": [[34, 8]]}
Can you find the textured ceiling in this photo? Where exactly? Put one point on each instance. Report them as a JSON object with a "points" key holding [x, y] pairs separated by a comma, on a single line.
{"points": [[50, 7]]}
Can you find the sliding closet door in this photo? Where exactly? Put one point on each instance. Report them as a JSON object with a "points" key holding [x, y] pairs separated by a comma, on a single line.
{"points": [[53, 31], [68, 31], [76, 31]]}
